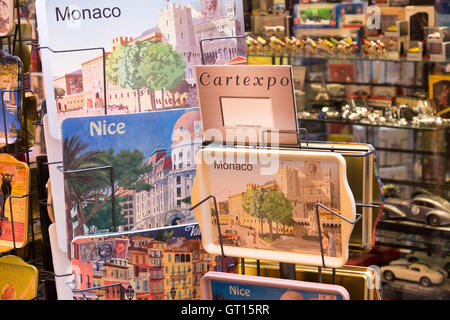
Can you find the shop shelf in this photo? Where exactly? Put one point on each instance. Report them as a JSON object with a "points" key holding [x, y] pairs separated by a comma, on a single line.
{"points": [[295, 57]]}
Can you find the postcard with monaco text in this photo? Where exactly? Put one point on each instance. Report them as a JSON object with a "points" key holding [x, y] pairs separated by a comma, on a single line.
{"points": [[140, 58]]}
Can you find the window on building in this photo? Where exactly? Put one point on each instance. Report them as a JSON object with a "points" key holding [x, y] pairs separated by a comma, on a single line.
{"points": [[177, 258], [178, 192], [178, 202], [178, 179], [169, 256]]}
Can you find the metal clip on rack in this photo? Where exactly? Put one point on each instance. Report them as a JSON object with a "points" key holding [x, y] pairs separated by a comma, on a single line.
{"points": [[16, 151], [358, 217], [111, 180], [216, 213], [12, 219], [105, 96]]}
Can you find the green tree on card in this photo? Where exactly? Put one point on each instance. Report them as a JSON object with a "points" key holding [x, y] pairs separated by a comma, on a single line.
{"points": [[112, 66], [80, 186], [88, 193], [277, 208], [163, 68], [128, 64], [252, 203]]}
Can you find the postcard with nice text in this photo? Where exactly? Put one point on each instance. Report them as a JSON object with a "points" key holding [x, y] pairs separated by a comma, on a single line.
{"points": [[147, 161]]}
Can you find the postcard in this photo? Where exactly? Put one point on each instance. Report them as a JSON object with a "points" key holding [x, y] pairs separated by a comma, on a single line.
{"points": [[158, 264], [61, 265], [439, 91], [223, 286], [9, 81], [363, 179], [362, 283], [140, 58], [266, 204], [15, 181], [248, 104], [6, 17], [18, 279], [152, 158]]}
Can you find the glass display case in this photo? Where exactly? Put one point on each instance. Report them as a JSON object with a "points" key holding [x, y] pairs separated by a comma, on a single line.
{"points": [[387, 86]]}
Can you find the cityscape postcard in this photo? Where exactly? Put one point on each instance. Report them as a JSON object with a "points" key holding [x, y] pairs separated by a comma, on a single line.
{"points": [[227, 286], [128, 57], [146, 160], [271, 214], [10, 68], [157, 264]]}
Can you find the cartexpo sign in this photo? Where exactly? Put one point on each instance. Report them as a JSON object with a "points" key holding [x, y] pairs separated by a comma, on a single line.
{"points": [[247, 104]]}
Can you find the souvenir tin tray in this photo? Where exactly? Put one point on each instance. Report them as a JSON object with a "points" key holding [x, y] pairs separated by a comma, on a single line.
{"points": [[269, 203], [362, 283], [15, 185], [220, 286], [10, 89], [156, 264], [18, 279], [7, 17]]}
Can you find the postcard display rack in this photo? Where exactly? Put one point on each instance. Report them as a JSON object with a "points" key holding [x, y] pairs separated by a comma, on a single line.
{"points": [[418, 164], [291, 146], [24, 245], [100, 249]]}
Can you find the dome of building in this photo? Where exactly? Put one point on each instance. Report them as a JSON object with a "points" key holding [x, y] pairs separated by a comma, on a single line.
{"points": [[185, 125], [187, 120]]}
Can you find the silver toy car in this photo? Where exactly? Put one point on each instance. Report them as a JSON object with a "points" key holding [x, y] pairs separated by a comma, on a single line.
{"points": [[422, 273], [429, 209]]}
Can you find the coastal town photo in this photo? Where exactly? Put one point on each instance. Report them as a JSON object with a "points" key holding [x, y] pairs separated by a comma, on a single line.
{"points": [[150, 70], [158, 264]]}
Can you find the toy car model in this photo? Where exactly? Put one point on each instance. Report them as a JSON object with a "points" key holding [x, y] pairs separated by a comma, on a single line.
{"points": [[421, 257], [435, 35], [422, 273], [413, 50], [336, 90], [360, 93], [429, 209], [392, 29], [319, 92], [231, 237], [316, 15]]}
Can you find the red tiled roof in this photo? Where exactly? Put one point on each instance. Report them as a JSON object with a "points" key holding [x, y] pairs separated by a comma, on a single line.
{"points": [[237, 61]]}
